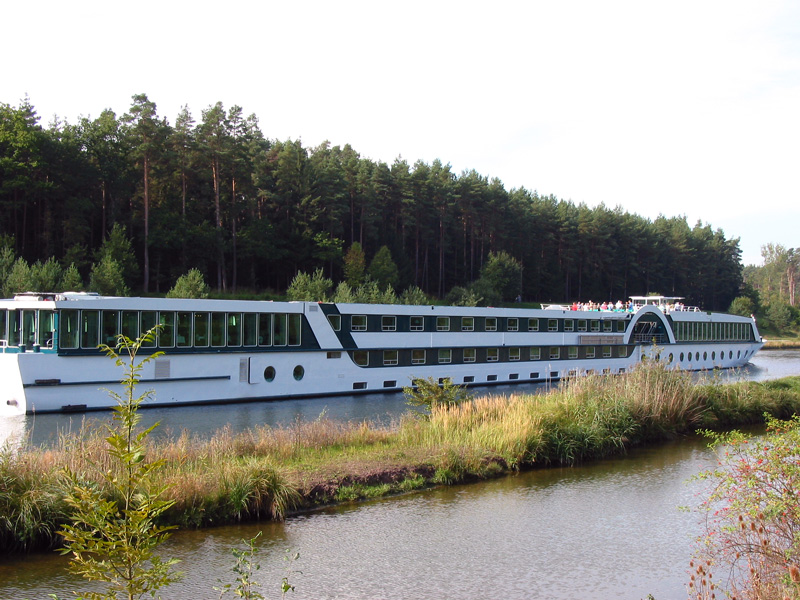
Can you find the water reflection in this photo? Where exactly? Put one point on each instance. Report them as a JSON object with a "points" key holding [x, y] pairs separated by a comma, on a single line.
{"points": [[604, 530]]}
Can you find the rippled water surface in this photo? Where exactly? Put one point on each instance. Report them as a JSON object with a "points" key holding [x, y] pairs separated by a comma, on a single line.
{"points": [[611, 529]]}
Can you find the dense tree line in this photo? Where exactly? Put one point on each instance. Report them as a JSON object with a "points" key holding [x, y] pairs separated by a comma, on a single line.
{"points": [[770, 290], [247, 211]]}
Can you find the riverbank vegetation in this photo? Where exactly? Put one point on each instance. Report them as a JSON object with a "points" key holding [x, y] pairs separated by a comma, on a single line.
{"points": [[753, 517], [269, 472]]}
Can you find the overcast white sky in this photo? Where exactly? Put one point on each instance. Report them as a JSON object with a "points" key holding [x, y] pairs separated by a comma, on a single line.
{"points": [[676, 108]]}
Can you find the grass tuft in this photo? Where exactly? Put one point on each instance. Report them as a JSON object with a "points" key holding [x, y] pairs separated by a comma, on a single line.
{"points": [[269, 472]]}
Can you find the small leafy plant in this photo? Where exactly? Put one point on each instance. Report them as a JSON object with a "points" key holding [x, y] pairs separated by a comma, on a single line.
{"points": [[113, 531], [245, 568], [428, 394], [753, 527]]}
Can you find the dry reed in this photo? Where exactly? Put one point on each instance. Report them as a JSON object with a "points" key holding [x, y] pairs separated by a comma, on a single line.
{"points": [[259, 473]]}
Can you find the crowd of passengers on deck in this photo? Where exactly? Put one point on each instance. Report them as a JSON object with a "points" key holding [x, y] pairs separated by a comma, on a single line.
{"points": [[621, 306]]}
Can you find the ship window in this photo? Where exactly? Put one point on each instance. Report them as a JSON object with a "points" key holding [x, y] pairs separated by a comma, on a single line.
{"points": [[568, 324], [234, 329], [90, 328], [130, 324], [149, 320], [250, 329], [513, 354], [492, 354], [265, 329], [582, 325], [442, 323], [298, 372], [533, 324], [595, 325], [390, 357], [335, 321], [200, 329], [3, 330], [358, 323], [388, 323], [361, 358], [417, 323], [467, 323], [166, 333], [469, 378], [620, 325], [13, 328], [269, 374], [555, 353], [109, 325], [46, 327], [552, 325], [705, 355], [418, 357], [606, 351], [390, 383], [445, 356], [536, 353], [622, 351], [491, 323], [573, 352], [360, 385], [607, 325], [279, 329], [513, 324], [514, 376], [590, 352], [491, 378], [469, 355], [295, 322], [29, 328], [184, 329], [68, 325], [334, 354]]}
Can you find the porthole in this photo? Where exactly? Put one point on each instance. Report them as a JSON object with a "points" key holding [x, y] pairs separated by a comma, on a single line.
{"points": [[681, 356], [730, 354], [705, 355], [714, 355], [671, 357], [298, 372], [269, 373]]}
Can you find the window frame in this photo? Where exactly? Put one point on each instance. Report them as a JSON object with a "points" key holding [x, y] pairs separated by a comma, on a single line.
{"points": [[362, 322]]}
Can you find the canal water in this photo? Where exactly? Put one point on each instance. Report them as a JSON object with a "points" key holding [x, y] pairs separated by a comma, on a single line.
{"points": [[608, 529], [381, 408]]}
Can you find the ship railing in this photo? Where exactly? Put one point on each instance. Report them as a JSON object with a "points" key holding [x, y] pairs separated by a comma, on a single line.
{"points": [[650, 338]]}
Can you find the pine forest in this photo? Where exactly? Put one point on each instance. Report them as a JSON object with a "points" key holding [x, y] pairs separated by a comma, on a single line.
{"points": [[214, 193]]}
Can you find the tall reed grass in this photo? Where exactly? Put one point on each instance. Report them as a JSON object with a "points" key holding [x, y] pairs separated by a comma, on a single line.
{"points": [[268, 472]]}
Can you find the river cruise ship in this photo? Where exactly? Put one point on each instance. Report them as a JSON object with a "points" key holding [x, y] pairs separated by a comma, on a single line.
{"points": [[218, 351]]}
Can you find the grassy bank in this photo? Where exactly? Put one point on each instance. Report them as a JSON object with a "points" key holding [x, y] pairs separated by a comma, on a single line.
{"points": [[266, 473], [782, 344]]}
